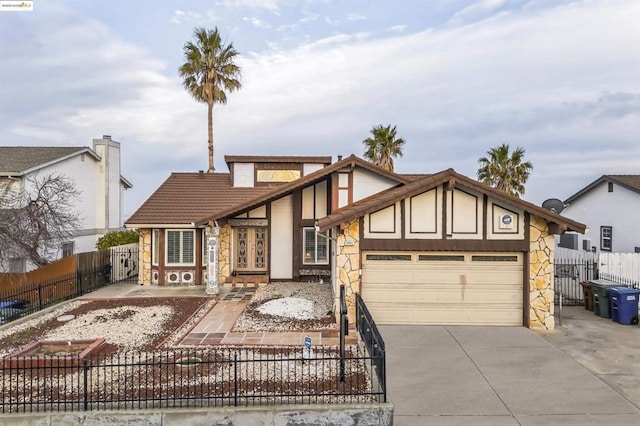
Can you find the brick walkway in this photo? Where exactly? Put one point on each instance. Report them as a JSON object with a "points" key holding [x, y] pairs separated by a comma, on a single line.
{"points": [[215, 327]]}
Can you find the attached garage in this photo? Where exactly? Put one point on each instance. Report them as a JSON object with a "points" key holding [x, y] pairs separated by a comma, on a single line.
{"points": [[480, 288]]}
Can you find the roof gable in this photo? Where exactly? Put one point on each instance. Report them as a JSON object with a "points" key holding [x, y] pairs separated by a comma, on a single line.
{"points": [[286, 189], [19, 160], [184, 198], [452, 178], [630, 182]]}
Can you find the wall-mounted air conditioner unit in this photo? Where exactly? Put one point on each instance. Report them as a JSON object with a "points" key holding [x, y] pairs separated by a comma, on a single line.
{"points": [[586, 245], [187, 277], [173, 277], [155, 276]]}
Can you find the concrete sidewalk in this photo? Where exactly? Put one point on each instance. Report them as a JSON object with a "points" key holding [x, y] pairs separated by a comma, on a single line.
{"points": [[454, 375]]}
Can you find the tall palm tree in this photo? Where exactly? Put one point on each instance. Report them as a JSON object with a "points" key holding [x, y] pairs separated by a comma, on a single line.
{"points": [[383, 146], [504, 171], [208, 71]]}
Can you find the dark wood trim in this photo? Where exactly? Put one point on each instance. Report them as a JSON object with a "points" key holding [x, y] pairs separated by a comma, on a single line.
{"points": [[350, 190], [394, 221], [361, 230], [403, 225], [526, 285], [453, 231], [485, 219], [199, 254], [334, 191], [493, 225], [296, 263], [231, 174], [435, 214], [268, 272], [557, 229], [445, 224], [161, 255], [386, 244]]}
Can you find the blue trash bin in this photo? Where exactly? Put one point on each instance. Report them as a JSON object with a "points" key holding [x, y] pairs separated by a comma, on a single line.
{"points": [[624, 304]]}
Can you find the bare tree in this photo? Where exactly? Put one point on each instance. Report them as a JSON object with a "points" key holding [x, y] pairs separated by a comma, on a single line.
{"points": [[36, 217]]}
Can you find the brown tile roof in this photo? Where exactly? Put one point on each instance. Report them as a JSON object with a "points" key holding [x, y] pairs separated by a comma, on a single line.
{"points": [[631, 182], [390, 196], [187, 197], [314, 177], [16, 159], [414, 176]]}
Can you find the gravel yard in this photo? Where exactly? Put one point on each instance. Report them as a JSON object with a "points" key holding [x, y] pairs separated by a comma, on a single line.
{"points": [[288, 306], [134, 323], [139, 361]]}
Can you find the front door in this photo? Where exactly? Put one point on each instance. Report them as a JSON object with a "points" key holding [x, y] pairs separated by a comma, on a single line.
{"points": [[251, 250]]}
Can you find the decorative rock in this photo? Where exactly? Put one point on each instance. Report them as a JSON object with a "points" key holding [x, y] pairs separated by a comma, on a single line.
{"points": [[65, 318]]}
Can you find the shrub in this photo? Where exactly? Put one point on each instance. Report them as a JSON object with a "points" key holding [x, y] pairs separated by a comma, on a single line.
{"points": [[117, 238]]}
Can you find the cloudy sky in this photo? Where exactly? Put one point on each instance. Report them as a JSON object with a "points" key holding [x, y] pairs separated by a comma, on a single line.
{"points": [[558, 78]]}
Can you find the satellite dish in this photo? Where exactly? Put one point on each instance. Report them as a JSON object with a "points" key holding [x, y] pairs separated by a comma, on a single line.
{"points": [[554, 205]]}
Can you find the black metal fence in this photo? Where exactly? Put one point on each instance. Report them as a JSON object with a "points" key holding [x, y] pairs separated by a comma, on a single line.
{"points": [[186, 378], [373, 342], [93, 272], [568, 274]]}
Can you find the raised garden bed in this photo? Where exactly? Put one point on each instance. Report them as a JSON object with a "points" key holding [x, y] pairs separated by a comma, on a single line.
{"points": [[53, 354]]}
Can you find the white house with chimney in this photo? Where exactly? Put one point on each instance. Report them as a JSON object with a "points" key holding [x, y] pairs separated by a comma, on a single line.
{"points": [[96, 172]]}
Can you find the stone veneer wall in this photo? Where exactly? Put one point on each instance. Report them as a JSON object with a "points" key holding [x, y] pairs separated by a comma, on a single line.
{"points": [[144, 254], [348, 266], [541, 289], [224, 256]]}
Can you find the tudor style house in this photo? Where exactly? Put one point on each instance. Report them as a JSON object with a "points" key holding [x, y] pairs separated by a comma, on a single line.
{"points": [[421, 249], [96, 174]]}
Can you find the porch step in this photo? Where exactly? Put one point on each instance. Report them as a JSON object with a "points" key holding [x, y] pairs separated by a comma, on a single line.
{"points": [[240, 281]]}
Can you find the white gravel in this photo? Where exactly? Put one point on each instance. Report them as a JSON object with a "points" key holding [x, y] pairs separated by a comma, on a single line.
{"points": [[290, 307], [138, 327], [290, 302]]}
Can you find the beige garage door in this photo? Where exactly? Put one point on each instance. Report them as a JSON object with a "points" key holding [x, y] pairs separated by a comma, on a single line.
{"points": [[443, 287]]}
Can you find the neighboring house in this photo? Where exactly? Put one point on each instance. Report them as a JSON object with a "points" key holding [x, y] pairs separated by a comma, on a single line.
{"points": [[96, 174], [609, 207], [422, 249]]}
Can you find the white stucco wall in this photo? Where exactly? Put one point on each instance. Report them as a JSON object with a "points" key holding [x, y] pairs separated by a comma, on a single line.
{"points": [[93, 179], [618, 209], [366, 184]]}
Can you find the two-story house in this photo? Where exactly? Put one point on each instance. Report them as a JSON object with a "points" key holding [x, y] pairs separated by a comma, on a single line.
{"points": [[421, 249], [96, 174]]}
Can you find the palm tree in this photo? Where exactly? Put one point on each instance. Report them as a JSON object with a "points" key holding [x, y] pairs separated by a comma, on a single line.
{"points": [[504, 171], [208, 71], [383, 146]]}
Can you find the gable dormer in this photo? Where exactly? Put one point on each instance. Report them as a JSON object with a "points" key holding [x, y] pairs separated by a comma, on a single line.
{"points": [[249, 171]]}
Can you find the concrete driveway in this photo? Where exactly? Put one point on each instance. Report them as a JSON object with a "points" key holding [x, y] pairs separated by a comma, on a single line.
{"points": [[454, 375]]}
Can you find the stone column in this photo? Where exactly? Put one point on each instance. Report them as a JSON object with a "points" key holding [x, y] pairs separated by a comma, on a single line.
{"points": [[348, 265], [224, 256], [541, 285], [144, 257]]}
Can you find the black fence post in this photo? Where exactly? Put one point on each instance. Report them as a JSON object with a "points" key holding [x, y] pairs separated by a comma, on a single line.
{"points": [[235, 380], [85, 367], [78, 283], [344, 329]]}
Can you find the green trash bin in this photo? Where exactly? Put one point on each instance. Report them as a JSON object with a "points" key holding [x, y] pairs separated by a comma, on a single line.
{"points": [[600, 297]]}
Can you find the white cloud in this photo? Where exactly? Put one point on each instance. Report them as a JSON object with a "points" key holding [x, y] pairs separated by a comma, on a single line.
{"points": [[565, 91], [270, 5], [356, 17], [181, 17], [477, 9], [257, 22], [397, 28]]}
